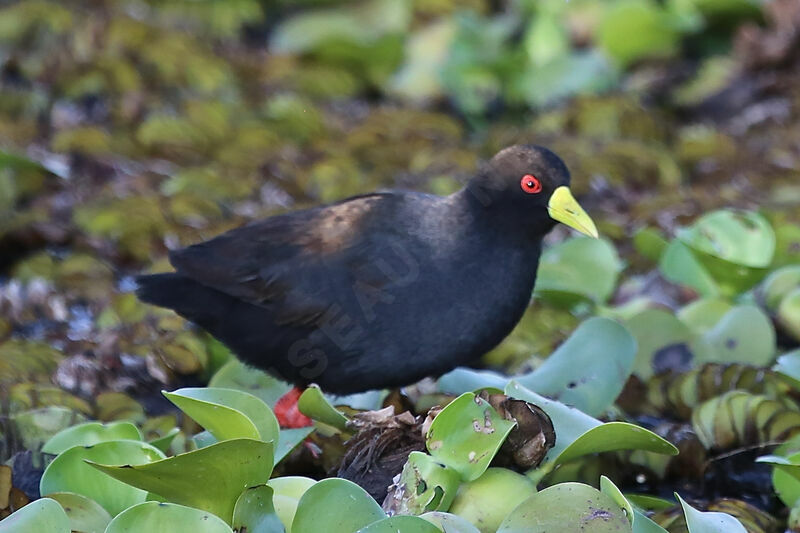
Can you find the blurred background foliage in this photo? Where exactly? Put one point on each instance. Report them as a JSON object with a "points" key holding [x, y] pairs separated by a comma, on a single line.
{"points": [[129, 127]]}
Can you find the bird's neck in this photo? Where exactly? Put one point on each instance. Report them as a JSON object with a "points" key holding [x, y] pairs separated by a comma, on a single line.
{"points": [[499, 221]]}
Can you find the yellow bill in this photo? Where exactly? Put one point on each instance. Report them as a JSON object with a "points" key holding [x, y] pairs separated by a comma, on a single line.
{"points": [[565, 209]]}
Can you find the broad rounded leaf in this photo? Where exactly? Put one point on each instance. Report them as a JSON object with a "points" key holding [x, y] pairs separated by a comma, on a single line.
{"points": [[404, 524], [589, 369], [85, 515], [335, 505], [89, 434], [466, 435], [578, 269], [567, 507], [69, 472], [156, 516], [210, 478], [740, 237], [709, 522], [288, 491], [486, 501], [236, 375], [254, 512], [450, 523], [425, 485], [42, 516]]}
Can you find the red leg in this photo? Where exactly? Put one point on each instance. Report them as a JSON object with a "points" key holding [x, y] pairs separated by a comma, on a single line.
{"points": [[287, 413]]}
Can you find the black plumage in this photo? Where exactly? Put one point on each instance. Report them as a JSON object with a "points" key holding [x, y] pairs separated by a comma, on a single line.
{"points": [[377, 290]]}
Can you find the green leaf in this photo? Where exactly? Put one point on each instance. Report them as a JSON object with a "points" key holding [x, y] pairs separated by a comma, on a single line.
{"points": [[655, 329], [709, 522], [236, 375], [567, 507], [449, 522], [680, 266], [404, 524], [314, 405], [254, 512], [42, 516], [288, 491], [579, 434], [788, 366], [425, 485], [745, 334], [85, 515], [289, 440], [362, 23], [589, 369], [486, 501], [228, 413], [89, 434], [335, 505], [739, 237], [233, 465], [466, 435], [578, 269], [703, 314], [156, 516], [69, 473], [785, 476]]}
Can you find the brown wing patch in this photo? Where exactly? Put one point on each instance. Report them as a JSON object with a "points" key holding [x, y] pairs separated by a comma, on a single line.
{"points": [[336, 227]]}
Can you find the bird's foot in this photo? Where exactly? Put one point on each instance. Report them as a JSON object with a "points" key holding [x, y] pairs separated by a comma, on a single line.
{"points": [[287, 413]]}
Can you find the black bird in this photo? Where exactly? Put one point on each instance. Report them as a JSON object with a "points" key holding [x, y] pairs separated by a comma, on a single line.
{"points": [[378, 290]]}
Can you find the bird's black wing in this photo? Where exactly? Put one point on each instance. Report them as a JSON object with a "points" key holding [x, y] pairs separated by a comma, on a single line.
{"points": [[300, 264]]}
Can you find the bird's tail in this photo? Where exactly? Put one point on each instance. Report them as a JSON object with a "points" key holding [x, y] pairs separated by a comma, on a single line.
{"points": [[190, 299]]}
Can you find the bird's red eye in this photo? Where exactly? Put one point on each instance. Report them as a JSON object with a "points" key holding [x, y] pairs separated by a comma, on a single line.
{"points": [[530, 184]]}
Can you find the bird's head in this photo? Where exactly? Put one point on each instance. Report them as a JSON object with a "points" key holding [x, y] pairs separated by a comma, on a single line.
{"points": [[529, 182]]}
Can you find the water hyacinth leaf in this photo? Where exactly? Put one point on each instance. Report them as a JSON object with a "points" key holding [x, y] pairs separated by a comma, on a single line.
{"points": [[335, 505], [788, 367], [85, 515], [789, 313], [679, 265], [486, 501], [745, 334], [612, 436], [589, 369], [566, 507], [289, 440], [785, 476], [89, 434], [703, 314], [236, 375], [425, 485], [608, 488], [233, 465], [650, 243], [254, 512], [654, 330], [316, 406], [735, 247], [156, 516], [164, 442], [709, 522], [69, 472], [449, 522], [406, 524], [740, 237], [227, 413], [37, 426], [287, 493], [579, 434], [360, 24], [576, 270], [42, 516], [466, 435], [778, 284]]}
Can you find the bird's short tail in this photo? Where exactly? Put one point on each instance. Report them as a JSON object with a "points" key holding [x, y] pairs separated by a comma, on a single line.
{"points": [[194, 301]]}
